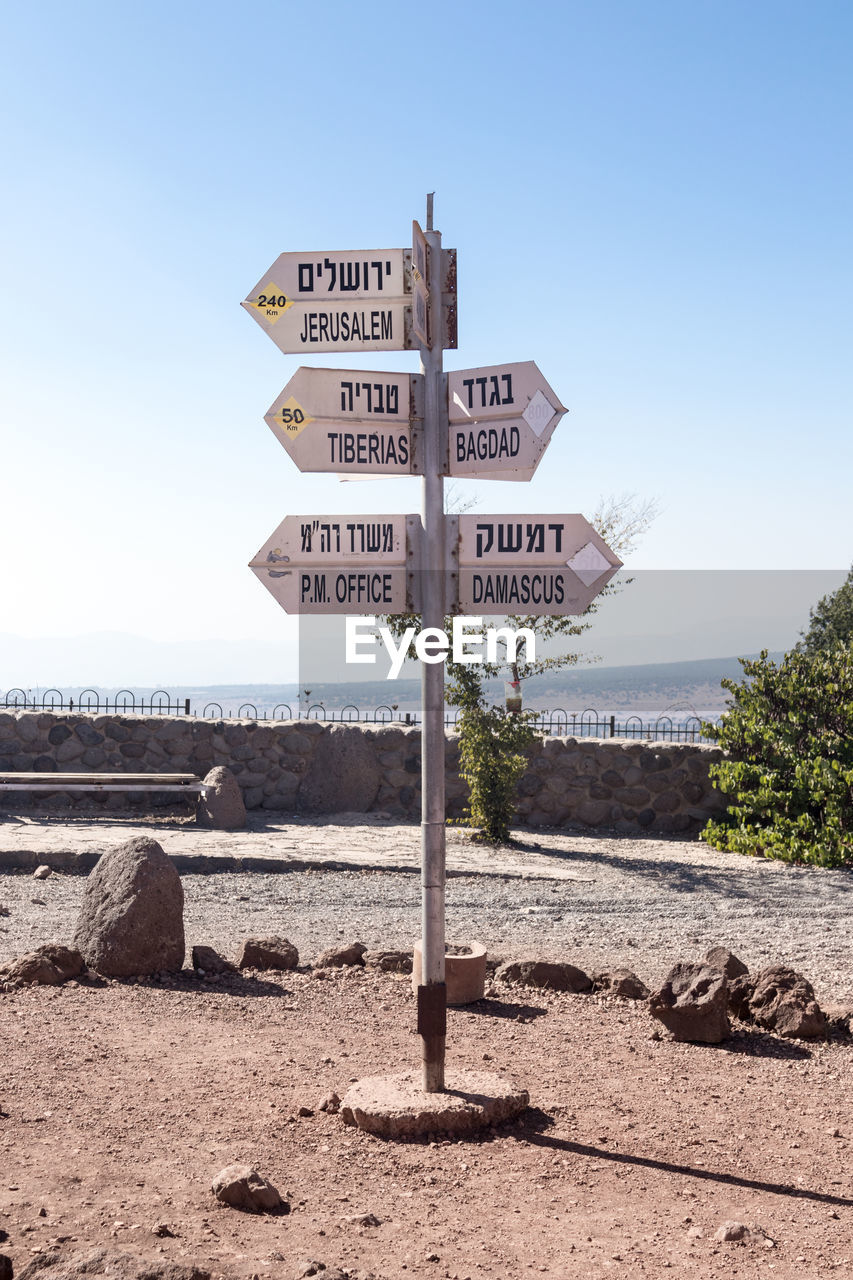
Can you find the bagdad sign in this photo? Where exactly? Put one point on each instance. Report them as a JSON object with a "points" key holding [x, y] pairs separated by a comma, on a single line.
{"points": [[351, 421], [500, 419], [548, 565], [340, 564], [359, 300]]}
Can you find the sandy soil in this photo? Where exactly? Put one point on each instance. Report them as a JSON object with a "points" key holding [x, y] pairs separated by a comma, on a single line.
{"points": [[120, 1102]]}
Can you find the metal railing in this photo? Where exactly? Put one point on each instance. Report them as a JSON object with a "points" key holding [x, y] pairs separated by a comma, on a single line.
{"points": [[90, 702], [557, 722]]}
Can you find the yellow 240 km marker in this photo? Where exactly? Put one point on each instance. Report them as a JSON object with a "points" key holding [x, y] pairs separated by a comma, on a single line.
{"points": [[272, 303]]}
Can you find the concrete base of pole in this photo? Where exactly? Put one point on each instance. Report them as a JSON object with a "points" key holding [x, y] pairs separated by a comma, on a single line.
{"points": [[398, 1106]]}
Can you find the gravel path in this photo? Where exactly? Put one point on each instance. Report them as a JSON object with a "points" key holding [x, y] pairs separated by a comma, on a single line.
{"points": [[598, 901]]}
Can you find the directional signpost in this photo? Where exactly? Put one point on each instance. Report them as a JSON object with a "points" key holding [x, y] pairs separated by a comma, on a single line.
{"points": [[544, 565], [486, 423], [343, 421], [500, 420], [354, 301], [340, 564]]}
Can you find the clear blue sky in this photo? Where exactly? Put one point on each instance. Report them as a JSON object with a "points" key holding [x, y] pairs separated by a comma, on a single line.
{"points": [[652, 201]]}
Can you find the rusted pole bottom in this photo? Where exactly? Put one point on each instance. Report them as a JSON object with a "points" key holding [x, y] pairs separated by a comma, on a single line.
{"points": [[432, 1028]]}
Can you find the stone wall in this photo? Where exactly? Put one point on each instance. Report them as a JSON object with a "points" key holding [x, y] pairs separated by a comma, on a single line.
{"points": [[312, 767]]}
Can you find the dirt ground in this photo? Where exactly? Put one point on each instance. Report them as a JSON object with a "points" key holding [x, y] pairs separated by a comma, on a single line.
{"points": [[120, 1103]]}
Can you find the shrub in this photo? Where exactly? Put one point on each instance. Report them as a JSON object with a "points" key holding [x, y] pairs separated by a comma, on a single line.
{"points": [[788, 737], [493, 748]]}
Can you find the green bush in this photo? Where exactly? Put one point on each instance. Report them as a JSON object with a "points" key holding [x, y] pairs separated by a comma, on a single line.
{"points": [[788, 775], [493, 748]]}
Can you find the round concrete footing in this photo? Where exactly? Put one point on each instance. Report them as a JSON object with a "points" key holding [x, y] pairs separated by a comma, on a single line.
{"points": [[397, 1106]]}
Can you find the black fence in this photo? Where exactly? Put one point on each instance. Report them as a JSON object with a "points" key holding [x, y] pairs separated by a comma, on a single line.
{"points": [[90, 702], [558, 722]]}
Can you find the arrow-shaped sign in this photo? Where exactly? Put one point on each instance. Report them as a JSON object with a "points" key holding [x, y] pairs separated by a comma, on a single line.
{"points": [[548, 565], [339, 564], [500, 421], [352, 301], [351, 421]]}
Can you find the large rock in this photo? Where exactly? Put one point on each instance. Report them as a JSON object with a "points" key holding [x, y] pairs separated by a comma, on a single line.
{"points": [[221, 805], [50, 965], [783, 1001], [542, 973], [242, 1187], [621, 982], [268, 953], [692, 1004], [726, 962], [342, 774], [103, 1262], [339, 957], [131, 919]]}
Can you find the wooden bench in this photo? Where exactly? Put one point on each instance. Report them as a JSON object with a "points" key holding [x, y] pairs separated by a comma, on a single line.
{"points": [[182, 783]]}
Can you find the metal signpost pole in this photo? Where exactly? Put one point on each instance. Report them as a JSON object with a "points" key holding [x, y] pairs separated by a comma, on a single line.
{"points": [[432, 1006]]}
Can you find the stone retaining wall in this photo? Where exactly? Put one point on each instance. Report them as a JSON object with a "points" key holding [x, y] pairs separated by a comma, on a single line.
{"points": [[312, 767]]}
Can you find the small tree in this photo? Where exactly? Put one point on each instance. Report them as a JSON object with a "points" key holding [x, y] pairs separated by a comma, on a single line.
{"points": [[788, 735], [831, 621]]}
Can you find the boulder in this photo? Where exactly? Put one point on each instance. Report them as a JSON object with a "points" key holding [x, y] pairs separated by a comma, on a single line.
{"points": [[210, 961], [131, 918], [242, 1187], [50, 965], [6, 1269], [102, 1262], [726, 962], [784, 1001], [621, 982], [268, 953], [42, 872], [337, 957], [692, 1004], [342, 774], [389, 961], [541, 973], [740, 994], [221, 805]]}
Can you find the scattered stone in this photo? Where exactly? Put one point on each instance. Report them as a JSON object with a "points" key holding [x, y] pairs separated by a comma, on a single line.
{"points": [[541, 973], [621, 982], [362, 1219], [732, 1230], [242, 1187], [692, 1004], [268, 953], [4, 910], [784, 1001], [389, 961], [42, 872], [311, 1267], [131, 920], [209, 961], [164, 1230], [101, 1262], [50, 965], [726, 962], [221, 806], [331, 1104], [305, 1112], [337, 957]]}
